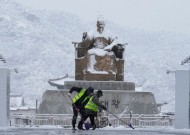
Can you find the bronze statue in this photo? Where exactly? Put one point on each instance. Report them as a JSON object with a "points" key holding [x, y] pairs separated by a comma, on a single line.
{"points": [[99, 56]]}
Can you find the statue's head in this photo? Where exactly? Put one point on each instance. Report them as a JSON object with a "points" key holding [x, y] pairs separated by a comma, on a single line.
{"points": [[100, 24]]}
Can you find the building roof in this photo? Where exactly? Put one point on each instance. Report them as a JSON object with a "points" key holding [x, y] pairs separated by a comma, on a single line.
{"points": [[60, 81], [22, 108]]}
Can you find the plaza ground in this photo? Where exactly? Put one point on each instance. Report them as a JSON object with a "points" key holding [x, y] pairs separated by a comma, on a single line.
{"points": [[51, 130]]}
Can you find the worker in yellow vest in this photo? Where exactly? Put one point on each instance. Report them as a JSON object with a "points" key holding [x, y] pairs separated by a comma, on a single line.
{"points": [[92, 108], [79, 102]]}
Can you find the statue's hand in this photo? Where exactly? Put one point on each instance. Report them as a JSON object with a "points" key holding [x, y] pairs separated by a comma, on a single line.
{"points": [[69, 94], [84, 35]]}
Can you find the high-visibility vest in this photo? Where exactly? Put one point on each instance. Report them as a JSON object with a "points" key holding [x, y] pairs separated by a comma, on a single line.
{"points": [[91, 105], [79, 95], [87, 97]]}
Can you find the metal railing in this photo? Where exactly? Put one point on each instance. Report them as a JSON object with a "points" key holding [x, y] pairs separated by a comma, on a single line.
{"points": [[65, 120]]}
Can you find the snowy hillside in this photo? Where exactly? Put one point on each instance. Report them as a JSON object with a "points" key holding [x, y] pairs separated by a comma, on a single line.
{"points": [[38, 43]]}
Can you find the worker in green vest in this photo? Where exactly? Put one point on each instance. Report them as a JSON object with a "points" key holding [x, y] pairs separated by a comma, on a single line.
{"points": [[79, 101], [92, 108]]}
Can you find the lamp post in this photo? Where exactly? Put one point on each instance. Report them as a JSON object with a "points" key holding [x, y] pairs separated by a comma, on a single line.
{"points": [[35, 96]]}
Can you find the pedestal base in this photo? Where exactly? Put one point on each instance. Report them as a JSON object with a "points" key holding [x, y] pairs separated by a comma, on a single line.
{"points": [[101, 85]]}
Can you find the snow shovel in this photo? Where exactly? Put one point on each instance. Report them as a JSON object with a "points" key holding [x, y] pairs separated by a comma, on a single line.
{"points": [[128, 124]]}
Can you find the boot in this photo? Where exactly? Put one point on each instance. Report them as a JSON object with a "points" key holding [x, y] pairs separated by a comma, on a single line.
{"points": [[80, 126], [73, 124], [73, 127], [94, 127]]}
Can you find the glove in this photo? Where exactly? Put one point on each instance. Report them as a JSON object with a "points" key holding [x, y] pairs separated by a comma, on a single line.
{"points": [[103, 107], [78, 110]]}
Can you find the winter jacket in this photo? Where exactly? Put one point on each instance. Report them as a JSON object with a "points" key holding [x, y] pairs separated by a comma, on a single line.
{"points": [[81, 98], [96, 101]]}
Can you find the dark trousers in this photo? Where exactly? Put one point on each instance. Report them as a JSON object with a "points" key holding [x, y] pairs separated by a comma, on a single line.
{"points": [[80, 111], [91, 116]]}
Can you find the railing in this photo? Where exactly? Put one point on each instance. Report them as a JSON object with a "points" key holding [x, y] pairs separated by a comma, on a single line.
{"points": [[41, 119], [65, 120], [144, 120]]}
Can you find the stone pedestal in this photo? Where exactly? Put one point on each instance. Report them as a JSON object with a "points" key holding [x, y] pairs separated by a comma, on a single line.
{"points": [[101, 85], [117, 102], [55, 102]]}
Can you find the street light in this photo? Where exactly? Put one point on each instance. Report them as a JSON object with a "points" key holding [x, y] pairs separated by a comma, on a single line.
{"points": [[170, 71]]}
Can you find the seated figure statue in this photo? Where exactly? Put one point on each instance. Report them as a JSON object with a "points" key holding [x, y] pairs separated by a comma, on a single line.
{"points": [[100, 38], [102, 52]]}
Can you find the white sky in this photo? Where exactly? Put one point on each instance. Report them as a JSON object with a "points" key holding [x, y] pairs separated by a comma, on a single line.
{"points": [[156, 15]]}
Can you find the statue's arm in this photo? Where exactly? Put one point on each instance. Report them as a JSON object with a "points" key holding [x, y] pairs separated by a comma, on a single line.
{"points": [[87, 41], [112, 42]]}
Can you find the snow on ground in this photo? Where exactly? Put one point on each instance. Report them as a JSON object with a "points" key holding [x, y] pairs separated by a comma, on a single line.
{"points": [[58, 130]]}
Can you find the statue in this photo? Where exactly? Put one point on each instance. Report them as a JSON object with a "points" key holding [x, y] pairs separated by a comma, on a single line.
{"points": [[99, 55], [100, 38]]}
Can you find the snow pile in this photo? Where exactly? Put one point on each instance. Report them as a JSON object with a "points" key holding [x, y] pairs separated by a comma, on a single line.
{"points": [[98, 52], [38, 43]]}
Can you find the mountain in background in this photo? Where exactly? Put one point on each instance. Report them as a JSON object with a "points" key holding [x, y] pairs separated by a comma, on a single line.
{"points": [[38, 43]]}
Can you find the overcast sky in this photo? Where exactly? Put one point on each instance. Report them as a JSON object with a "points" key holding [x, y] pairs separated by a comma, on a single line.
{"points": [[154, 15]]}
